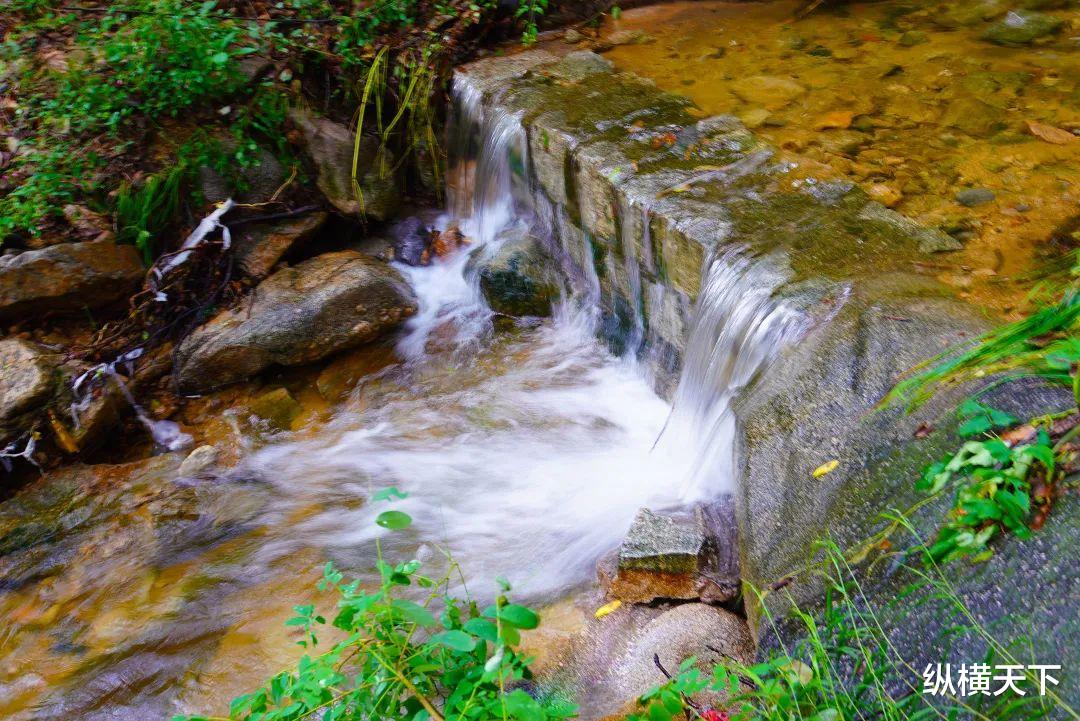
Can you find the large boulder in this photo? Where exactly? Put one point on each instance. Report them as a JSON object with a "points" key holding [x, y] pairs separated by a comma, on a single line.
{"points": [[605, 663], [67, 277], [28, 378], [818, 403], [298, 315], [330, 147]]}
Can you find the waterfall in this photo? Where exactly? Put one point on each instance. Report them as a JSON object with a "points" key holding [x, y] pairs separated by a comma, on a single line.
{"points": [[529, 454], [737, 328], [480, 200]]}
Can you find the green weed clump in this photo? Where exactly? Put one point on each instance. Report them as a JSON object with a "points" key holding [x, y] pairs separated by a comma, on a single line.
{"points": [[407, 649], [1000, 485]]}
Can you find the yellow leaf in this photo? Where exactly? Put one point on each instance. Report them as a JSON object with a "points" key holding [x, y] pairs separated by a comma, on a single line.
{"points": [[1049, 133], [824, 468], [607, 608]]}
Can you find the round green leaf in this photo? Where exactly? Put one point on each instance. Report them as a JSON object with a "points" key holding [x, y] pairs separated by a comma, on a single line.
{"points": [[393, 520], [519, 616], [457, 640]]}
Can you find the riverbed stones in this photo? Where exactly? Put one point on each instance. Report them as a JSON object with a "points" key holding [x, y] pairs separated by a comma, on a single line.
{"points": [[520, 278], [67, 277], [298, 315], [28, 378], [1021, 27], [330, 147], [768, 91], [258, 247]]}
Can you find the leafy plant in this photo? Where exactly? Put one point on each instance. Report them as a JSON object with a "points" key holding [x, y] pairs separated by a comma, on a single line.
{"points": [[408, 649], [530, 11], [143, 213], [992, 493]]}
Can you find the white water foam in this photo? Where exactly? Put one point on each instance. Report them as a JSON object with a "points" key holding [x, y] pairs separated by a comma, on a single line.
{"points": [[528, 456]]}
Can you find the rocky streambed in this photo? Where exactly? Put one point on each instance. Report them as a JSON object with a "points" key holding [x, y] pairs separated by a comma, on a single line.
{"points": [[660, 325]]}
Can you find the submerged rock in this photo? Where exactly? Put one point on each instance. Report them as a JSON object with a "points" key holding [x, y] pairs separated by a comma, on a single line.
{"points": [[1020, 27], [67, 277], [930, 240], [330, 147], [971, 197], [770, 92], [28, 380], [412, 241], [298, 315], [198, 462], [277, 407], [258, 247], [520, 279]]}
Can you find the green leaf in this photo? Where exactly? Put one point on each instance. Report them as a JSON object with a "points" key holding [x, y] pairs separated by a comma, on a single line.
{"points": [[388, 494], [483, 629], [413, 612], [393, 520], [457, 640], [519, 616], [523, 707]]}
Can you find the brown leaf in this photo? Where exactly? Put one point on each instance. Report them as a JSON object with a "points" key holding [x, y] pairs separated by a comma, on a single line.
{"points": [[1049, 133], [923, 430]]}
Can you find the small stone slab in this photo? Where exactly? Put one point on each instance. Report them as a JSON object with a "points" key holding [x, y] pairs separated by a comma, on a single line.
{"points": [[26, 380]]}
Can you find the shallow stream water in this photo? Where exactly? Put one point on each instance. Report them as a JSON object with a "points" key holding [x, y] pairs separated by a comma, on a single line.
{"points": [[131, 593]]}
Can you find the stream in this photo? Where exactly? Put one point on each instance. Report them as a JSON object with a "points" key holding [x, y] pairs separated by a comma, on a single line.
{"points": [[525, 450]]}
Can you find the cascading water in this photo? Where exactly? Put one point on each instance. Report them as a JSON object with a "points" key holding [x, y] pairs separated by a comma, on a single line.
{"points": [[528, 456]]}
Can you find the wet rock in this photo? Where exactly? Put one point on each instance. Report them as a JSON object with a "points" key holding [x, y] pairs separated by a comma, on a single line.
{"points": [[259, 180], [28, 380], [974, 117], [885, 194], [198, 462], [85, 423], [966, 14], [686, 554], [277, 407], [412, 241], [67, 277], [770, 92], [580, 64], [330, 148], [258, 247], [972, 197], [1020, 27], [573, 36], [817, 404], [608, 662], [930, 240], [519, 279], [627, 37], [298, 315]]}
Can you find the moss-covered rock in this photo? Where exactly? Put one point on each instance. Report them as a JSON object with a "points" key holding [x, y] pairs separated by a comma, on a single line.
{"points": [[519, 278]]}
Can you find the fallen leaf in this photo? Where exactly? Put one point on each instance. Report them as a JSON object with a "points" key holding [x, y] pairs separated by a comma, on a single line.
{"points": [[838, 120], [824, 468], [1049, 133], [607, 608], [923, 430]]}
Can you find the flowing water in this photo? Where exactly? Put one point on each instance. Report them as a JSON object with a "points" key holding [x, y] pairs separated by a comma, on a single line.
{"points": [[525, 450]]}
